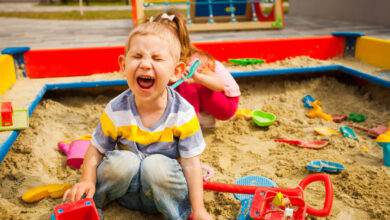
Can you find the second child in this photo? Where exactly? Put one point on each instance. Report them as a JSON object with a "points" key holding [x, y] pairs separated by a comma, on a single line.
{"points": [[212, 90]]}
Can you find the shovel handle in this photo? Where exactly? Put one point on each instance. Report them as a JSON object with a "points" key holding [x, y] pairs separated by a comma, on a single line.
{"points": [[191, 72], [328, 193], [242, 189]]}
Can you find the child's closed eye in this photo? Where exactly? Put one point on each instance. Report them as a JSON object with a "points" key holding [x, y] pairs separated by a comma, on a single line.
{"points": [[137, 56], [158, 58]]}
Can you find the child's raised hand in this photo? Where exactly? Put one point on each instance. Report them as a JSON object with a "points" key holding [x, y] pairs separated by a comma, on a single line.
{"points": [[198, 75], [79, 191]]}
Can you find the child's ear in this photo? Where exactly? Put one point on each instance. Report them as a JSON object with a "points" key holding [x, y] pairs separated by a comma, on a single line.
{"points": [[179, 70], [121, 61]]}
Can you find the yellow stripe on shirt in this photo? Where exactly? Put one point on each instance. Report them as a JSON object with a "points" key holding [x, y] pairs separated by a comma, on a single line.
{"points": [[187, 129], [108, 126], [134, 133]]}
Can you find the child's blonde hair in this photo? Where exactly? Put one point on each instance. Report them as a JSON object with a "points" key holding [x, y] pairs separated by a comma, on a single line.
{"points": [[161, 30], [178, 25]]}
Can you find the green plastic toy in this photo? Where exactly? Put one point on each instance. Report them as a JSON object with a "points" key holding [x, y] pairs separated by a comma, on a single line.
{"points": [[246, 61], [263, 119], [355, 117]]}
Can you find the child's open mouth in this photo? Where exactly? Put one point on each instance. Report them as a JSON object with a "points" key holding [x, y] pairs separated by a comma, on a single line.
{"points": [[145, 82]]}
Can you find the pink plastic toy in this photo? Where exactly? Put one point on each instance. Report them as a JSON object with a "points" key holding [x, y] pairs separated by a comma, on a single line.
{"points": [[79, 210], [376, 131], [75, 150]]}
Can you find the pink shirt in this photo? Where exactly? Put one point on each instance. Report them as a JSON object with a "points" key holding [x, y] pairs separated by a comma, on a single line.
{"points": [[231, 87]]}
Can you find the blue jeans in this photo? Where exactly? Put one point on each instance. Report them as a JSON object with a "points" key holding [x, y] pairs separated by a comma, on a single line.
{"points": [[153, 184]]}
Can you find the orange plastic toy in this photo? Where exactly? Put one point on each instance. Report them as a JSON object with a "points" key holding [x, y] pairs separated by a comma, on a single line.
{"points": [[317, 112]]}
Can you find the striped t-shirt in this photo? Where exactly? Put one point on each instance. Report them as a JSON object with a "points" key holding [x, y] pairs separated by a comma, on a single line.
{"points": [[176, 134]]}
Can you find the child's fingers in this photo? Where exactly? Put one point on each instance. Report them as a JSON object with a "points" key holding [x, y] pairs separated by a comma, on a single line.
{"points": [[72, 194], [90, 192], [69, 194], [190, 80], [80, 192], [66, 194]]}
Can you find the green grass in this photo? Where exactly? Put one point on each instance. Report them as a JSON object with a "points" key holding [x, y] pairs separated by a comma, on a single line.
{"points": [[71, 15]]}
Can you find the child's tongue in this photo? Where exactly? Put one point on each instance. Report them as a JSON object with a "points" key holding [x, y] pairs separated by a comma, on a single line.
{"points": [[145, 83]]}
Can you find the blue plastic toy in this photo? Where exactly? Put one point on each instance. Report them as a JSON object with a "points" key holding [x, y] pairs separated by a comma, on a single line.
{"points": [[324, 166], [348, 132], [193, 69], [307, 100], [246, 199], [384, 141], [386, 153]]}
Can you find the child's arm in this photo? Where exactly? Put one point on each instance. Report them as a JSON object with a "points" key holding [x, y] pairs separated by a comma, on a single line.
{"points": [[193, 174], [88, 178]]}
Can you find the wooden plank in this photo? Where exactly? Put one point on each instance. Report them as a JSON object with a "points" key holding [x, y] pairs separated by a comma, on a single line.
{"points": [[373, 51], [7, 73]]}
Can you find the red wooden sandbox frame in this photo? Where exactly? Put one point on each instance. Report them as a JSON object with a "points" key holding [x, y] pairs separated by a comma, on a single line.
{"points": [[87, 61]]}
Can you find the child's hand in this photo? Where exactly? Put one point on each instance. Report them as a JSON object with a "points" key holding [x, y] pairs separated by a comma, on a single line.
{"points": [[78, 191], [198, 76], [201, 215]]}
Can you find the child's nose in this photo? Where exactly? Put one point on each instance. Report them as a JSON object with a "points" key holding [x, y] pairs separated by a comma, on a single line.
{"points": [[146, 64]]}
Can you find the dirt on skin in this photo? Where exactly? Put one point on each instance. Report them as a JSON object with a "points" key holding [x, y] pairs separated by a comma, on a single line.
{"points": [[235, 148]]}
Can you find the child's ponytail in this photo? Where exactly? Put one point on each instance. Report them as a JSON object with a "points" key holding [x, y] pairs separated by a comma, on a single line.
{"points": [[177, 21]]}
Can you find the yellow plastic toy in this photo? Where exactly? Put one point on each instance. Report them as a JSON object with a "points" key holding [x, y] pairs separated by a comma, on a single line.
{"points": [[326, 131], [384, 141], [244, 113], [278, 199], [38, 193], [364, 149], [317, 112], [385, 137]]}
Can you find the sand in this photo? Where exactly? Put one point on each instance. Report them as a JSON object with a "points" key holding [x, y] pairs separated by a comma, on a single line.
{"points": [[235, 148]]}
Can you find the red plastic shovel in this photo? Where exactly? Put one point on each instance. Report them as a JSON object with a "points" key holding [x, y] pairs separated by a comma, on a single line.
{"points": [[317, 144], [262, 202]]}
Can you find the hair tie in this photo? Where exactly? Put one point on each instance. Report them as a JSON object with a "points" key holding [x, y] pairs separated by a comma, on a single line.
{"points": [[166, 16]]}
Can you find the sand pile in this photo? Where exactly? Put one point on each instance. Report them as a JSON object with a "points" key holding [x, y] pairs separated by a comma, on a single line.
{"points": [[235, 148]]}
